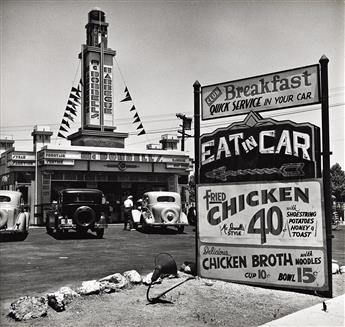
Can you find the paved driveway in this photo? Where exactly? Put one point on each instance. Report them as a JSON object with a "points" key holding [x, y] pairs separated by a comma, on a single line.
{"points": [[42, 263]]}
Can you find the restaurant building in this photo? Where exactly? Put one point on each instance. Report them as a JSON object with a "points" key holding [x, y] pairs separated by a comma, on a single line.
{"points": [[97, 156]]}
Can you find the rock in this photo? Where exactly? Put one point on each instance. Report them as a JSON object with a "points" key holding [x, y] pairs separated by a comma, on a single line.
{"points": [[189, 267], [109, 287], [147, 279], [342, 269], [133, 276], [90, 287], [58, 300], [28, 307], [335, 268], [119, 280]]}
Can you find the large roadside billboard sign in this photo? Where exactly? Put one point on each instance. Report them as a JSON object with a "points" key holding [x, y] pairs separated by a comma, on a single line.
{"points": [[270, 233], [284, 89], [263, 199], [260, 149]]}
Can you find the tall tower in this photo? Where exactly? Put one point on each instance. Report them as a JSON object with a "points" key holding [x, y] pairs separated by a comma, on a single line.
{"points": [[97, 93]]}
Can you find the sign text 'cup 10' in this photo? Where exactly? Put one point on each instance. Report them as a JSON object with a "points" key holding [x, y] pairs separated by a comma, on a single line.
{"points": [[260, 194]]}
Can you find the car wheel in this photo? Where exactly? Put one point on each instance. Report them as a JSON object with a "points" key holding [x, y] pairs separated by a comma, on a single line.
{"points": [[48, 228], [23, 236], [100, 233], [180, 229], [170, 215]]}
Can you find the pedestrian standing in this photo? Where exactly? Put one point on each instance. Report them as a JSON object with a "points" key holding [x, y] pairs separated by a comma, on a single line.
{"points": [[128, 206]]}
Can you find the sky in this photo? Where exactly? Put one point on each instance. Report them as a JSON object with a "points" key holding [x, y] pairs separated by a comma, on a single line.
{"points": [[162, 48]]}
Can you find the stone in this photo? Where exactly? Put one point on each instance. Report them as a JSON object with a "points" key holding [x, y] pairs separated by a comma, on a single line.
{"points": [[58, 300], [119, 280], [335, 268], [133, 276], [342, 269], [147, 279], [89, 287], [109, 287], [29, 307]]}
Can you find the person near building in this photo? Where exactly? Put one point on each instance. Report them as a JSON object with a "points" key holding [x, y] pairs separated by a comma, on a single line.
{"points": [[128, 206]]}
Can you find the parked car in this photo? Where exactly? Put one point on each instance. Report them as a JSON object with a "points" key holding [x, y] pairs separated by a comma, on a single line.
{"points": [[161, 209], [79, 209], [14, 219]]}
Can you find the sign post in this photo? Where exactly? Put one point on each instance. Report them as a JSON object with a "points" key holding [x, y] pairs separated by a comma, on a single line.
{"points": [[197, 92], [326, 164]]}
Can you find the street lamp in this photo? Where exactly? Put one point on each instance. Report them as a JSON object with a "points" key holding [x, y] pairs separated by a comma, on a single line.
{"points": [[186, 125]]}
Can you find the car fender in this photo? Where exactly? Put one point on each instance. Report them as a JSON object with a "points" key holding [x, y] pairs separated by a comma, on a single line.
{"points": [[3, 217], [21, 222], [136, 214], [183, 218]]}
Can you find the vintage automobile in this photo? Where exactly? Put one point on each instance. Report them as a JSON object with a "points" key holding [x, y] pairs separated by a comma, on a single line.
{"points": [[161, 209], [79, 209], [14, 219]]}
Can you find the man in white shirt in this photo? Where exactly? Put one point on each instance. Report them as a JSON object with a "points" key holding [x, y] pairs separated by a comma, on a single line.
{"points": [[128, 206]]}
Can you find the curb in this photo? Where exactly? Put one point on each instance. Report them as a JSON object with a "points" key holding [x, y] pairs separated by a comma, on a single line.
{"points": [[315, 315]]}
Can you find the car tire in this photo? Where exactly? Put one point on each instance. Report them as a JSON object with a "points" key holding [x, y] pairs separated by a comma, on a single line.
{"points": [[84, 216], [165, 212], [3, 218], [100, 233]]}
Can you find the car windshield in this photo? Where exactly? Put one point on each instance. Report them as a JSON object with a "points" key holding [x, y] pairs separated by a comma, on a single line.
{"points": [[165, 198], [4, 198], [82, 197]]}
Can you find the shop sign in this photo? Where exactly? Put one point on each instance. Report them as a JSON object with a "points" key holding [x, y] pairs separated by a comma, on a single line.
{"points": [[108, 95], [61, 155], [58, 162], [20, 163], [260, 149], [263, 233], [21, 156], [284, 89], [272, 214], [284, 267]]}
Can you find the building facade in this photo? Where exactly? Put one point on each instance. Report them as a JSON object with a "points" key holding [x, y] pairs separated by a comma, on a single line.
{"points": [[97, 156]]}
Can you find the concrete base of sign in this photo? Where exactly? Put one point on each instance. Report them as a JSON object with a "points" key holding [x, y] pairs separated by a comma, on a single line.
{"points": [[98, 138]]}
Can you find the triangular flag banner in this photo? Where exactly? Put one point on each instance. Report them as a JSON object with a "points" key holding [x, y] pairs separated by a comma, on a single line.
{"points": [[60, 135], [65, 122], [74, 98], [76, 91], [136, 115], [140, 126], [127, 98], [142, 132], [81, 83], [63, 129], [72, 111], [136, 120], [68, 116], [133, 108], [72, 104]]}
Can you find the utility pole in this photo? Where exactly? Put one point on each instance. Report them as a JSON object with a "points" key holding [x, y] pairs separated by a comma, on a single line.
{"points": [[186, 125]]}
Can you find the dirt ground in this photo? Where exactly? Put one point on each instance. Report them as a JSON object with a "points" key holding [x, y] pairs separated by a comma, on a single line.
{"points": [[198, 302]]}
